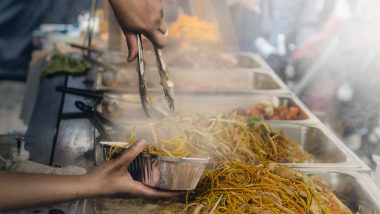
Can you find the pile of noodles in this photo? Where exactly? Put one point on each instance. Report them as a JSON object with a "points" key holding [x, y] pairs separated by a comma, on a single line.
{"points": [[245, 176]]}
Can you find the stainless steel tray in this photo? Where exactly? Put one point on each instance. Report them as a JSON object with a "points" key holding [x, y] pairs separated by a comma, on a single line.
{"points": [[198, 80], [353, 189], [225, 80], [227, 102], [251, 58], [329, 152], [205, 102], [327, 149], [313, 137], [274, 76]]}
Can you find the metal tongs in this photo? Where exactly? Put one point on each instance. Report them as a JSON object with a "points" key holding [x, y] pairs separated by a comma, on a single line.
{"points": [[166, 83], [97, 120]]}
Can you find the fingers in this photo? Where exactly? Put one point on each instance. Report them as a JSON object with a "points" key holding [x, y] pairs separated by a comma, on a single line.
{"points": [[163, 28], [159, 33], [131, 153], [145, 191], [132, 46], [157, 38]]}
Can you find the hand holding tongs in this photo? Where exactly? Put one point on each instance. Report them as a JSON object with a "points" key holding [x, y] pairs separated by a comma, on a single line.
{"points": [[167, 84]]}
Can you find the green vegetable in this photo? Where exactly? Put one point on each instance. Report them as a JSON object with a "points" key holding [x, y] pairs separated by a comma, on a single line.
{"points": [[63, 63]]}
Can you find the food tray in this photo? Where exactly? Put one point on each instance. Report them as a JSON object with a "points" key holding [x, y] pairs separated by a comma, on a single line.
{"points": [[196, 80], [201, 102], [353, 189], [246, 58], [327, 149], [329, 152], [228, 80], [227, 102]]}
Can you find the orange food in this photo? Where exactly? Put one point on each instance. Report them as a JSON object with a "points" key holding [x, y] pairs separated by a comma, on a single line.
{"points": [[270, 112], [190, 29]]}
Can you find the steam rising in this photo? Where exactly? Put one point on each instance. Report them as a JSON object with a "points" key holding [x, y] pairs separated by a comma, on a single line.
{"points": [[333, 62]]}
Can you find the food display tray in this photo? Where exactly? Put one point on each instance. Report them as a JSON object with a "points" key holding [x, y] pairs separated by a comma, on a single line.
{"points": [[200, 102], [328, 151], [188, 80], [326, 148], [227, 102], [357, 191]]}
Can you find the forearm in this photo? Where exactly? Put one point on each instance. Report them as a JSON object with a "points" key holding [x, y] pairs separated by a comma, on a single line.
{"points": [[22, 190]]}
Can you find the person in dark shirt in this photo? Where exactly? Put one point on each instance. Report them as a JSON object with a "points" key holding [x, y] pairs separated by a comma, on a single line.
{"points": [[18, 19]]}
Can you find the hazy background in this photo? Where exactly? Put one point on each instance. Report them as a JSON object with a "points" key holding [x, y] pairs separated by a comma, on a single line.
{"points": [[327, 51]]}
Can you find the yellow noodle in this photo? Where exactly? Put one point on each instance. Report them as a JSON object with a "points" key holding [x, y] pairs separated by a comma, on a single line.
{"points": [[237, 187], [244, 178]]}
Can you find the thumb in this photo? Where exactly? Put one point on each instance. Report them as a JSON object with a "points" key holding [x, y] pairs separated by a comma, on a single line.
{"points": [[131, 153], [132, 45]]}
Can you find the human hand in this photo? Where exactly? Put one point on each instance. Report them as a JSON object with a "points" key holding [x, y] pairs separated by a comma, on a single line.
{"points": [[113, 178], [140, 16]]}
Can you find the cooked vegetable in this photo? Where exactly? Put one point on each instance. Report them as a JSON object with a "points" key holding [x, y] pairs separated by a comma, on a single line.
{"points": [[58, 63], [271, 112]]}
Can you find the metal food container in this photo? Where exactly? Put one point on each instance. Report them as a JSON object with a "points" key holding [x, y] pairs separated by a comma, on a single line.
{"points": [[328, 151], [224, 80], [310, 134], [326, 148], [197, 80], [129, 109], [167, 173], [357, 191], [203, 102], [251, 60], [227, 102]]}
